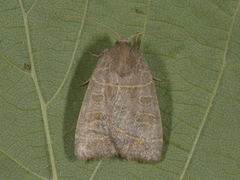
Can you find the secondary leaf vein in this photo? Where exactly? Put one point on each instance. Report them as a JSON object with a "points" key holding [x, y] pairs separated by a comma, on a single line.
{"points": [[95, 170], [214, 93], [22, 166], [73, 55]]}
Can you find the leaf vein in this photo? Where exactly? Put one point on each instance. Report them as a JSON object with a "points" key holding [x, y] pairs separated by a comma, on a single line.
{"points": [[214, 93], [73, 55], [22, 166], [39, 93], [8, 61], [95, 170]]}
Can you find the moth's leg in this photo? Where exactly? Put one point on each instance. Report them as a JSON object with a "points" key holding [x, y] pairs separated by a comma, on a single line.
{"points": [[84, 83], [159, 79], [137, 41], [94, 54], [98, 55], [91, 139]]}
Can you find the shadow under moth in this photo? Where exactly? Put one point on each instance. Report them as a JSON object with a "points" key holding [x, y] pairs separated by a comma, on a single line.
{"points": [[120, 112]]}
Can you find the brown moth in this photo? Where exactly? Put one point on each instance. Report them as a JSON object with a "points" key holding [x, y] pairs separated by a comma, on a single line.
{"points": [[120, 112]]}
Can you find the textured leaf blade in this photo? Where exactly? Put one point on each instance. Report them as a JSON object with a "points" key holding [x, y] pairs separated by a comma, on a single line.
{"points": [[199, 101]]}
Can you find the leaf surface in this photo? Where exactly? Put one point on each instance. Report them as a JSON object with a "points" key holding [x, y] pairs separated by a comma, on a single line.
{"points": [[44, 57]]}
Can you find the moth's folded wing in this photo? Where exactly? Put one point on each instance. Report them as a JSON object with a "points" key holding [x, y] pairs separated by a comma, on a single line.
{"points": [[92, 137], [136, 127]]}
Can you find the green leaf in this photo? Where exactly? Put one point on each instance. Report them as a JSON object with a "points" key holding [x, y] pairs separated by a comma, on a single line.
{"points": [[44, 57]]}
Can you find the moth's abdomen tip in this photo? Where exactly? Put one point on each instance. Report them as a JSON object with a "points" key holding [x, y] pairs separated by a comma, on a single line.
{"points": [[79, 155], [146, 159], [152, 158], [94, 149], [148, 156]]}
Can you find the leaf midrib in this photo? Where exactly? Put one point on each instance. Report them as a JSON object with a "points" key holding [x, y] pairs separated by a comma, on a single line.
{"points": [[214, 93], [43, 104], [39, 93]]}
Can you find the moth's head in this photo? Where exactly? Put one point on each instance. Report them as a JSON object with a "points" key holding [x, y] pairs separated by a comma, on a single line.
{"points": [[131, 41], [123, 39]]}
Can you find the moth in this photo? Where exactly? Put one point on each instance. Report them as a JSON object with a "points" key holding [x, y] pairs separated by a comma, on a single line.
{"points": [[120, 112]]}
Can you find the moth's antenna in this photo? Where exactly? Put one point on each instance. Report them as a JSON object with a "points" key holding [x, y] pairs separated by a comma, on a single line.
{"points": [[101, 24], [153, 31]]}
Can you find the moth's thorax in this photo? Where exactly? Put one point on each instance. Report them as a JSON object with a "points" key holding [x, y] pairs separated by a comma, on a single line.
{"points": [[124, 58]]}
